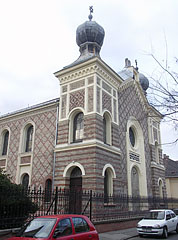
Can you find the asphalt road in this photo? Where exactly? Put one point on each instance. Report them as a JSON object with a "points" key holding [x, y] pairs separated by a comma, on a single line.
{"points": [[171, 236]]}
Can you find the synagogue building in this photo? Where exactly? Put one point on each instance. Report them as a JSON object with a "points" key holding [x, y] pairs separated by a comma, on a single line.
{"points": [[100, 134]]}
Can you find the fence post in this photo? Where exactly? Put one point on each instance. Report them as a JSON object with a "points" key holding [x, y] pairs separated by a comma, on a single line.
{"points": [[91, 204], [56, 200]]}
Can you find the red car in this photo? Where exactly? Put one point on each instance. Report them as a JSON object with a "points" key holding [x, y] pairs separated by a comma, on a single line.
{"points": [[62, 227]]}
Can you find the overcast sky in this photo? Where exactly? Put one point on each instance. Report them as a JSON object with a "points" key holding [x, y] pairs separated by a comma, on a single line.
{"points": [[38, 38]]}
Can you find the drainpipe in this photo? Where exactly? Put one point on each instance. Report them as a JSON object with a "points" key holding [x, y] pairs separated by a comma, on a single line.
{"points": [[55, 143]]}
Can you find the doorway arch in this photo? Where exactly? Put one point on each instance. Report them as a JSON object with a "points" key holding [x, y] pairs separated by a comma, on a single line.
{"points": [[75, 199]]}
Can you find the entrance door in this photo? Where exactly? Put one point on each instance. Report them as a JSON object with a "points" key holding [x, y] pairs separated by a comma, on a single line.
{"points": [[75, 201]]}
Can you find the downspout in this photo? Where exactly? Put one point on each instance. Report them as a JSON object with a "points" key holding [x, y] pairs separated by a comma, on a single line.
{"points": [[55, 143]]}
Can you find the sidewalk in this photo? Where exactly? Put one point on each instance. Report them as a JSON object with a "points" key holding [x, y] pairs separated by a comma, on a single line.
{"points": [[119, 234]]}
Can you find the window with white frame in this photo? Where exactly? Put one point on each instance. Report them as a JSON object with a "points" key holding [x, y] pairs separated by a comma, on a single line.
{"points": [[160, 185], [28, 138], [107, 128], [156, 151], [5, 142], [25, 180], [108, 185], [78, 127]]}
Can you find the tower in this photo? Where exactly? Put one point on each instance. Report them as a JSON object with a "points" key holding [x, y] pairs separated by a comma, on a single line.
{"points": [[87, 150]]}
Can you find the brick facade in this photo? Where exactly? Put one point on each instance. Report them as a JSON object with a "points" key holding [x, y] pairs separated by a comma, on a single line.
{"points": [[104, 92]]}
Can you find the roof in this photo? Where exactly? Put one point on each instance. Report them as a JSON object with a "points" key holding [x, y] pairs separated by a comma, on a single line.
{"points": [[171, 168], [31, 107]]}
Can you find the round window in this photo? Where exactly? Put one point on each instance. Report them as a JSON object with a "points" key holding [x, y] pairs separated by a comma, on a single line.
{"points": [[132, 137]]}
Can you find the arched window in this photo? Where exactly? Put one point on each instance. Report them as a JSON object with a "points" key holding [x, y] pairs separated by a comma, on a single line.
{"points": [[156, 152], [160, 188], [25, 181], [132, 136], [108, 185], [78, 127], [107, 128], [135, 182], [29, 138], [48, 190], [5, 142], [104, 130]]}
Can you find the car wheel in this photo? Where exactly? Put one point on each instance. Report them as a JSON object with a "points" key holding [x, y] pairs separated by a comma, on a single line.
{"points": [[177, 229], [165, 233], [140, 235]]}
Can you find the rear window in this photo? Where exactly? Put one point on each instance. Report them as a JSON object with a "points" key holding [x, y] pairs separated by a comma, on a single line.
{"points": [[80, 225]]}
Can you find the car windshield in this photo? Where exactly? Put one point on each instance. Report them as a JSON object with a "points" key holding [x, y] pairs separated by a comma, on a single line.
{"points": [[38, 228], [159, 215]]}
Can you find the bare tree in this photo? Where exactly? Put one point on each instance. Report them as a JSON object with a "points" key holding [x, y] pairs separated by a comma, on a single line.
{"points": [[163, 94]]}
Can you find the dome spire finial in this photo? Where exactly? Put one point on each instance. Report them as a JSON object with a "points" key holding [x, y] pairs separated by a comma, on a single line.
{"points": [[91, 11]]}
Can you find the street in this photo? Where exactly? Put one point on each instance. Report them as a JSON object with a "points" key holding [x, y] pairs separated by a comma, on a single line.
{"points": [[171, 236]]}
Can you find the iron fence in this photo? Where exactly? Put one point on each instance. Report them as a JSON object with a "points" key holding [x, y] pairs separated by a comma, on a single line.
{"points": [[61, 201]]}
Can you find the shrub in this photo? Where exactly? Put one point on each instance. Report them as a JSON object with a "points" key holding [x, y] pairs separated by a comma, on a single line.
{"points": [[15, 204]]}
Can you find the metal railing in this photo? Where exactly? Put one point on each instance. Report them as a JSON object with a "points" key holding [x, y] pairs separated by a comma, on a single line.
{"points": [[61, 201]]}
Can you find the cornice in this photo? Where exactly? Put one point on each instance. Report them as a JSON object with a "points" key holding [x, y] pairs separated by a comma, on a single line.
{"points": [[31, 110], [94, 65], [154, 113], [86, 144]]}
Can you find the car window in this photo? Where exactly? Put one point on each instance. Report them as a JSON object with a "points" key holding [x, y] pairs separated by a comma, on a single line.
{"points": [[64, 227], [168, 216], [80, 225], [159, 215], [39, 228], [173, 215]]}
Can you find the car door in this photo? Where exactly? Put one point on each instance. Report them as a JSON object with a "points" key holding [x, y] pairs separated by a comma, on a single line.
{"points": [[64, 230], [174, 220], [168, 221], [82, 229]]}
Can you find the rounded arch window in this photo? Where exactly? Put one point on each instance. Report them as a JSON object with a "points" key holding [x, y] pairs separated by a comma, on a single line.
{"points": [[48, 190], [29, 138], [78, 127], [25, 180], [76, 172], [132, 136], [5, 142]]}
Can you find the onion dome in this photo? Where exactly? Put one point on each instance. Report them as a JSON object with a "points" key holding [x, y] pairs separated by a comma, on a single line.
{"points": [[143, 81], [90, 36], [90, 31]]}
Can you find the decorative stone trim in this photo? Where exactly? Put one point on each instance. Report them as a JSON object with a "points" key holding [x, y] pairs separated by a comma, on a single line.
{"points": [[158, 166], [94, 65], [84, 144], [3, 162], [37, 109]]}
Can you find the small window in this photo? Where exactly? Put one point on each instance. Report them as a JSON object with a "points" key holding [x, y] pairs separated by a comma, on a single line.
{"points": [[48, 190], [5, 143], [104, 129], [132, 137], [107, 129], [80, 225], [78, 127], [64, 227], [25, 181], [29, 138]]}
